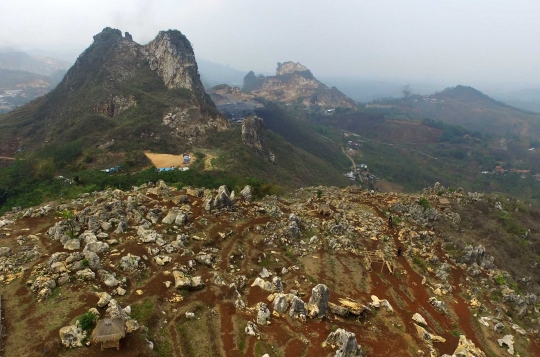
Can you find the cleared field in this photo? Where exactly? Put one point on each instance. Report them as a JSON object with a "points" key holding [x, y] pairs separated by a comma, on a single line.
{"points": [[168, 160]]}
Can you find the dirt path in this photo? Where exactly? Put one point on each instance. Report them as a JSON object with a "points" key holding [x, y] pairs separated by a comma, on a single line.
{"points": [[208, 162], [350, 158]]}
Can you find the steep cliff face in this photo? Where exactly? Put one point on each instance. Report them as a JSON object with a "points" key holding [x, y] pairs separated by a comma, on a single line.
{"points": [[294, 83], [254, 135], [171, 55]]}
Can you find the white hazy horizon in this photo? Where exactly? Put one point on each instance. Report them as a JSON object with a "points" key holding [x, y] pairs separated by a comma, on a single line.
{"points": [[471, 42]]}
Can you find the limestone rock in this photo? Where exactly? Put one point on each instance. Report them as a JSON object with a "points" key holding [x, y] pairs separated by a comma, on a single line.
{"points": [[263, 314], [72, 336], [252, 329], [129, 262], [246, 193], [131, 325], [507, 340], [72, 244], [96, 247], [419, 319], [86, 274], [318, 303], [426, 336], [298, 308], [184, 282], [5, 252], [376, 302], [280, 303], [110, 280], [466, 348], [104, 299], [346, 343]]}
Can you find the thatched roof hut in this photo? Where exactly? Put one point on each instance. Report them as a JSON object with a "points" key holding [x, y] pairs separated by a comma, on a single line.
{"points": [[108, 332]]}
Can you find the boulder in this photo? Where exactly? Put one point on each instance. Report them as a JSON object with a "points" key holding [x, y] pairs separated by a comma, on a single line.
{"points": [[131, 325], [318, 303], [346, 343], [466, 348], [252, 329], [86, 274], [72, 244], [72, 336], [280, 303], [246, 193], [426, 336], [106, 226], [277, 284], [104, 299], [181, 219], [265, 285], [507, 340], [298, 308], [204, 258], [115, 310], [110, 281], [419, 319], [171, 216], [92, 259], [162, 259], [376, 302], [184, 282], [5, 252], [129, 262], [263, 314], [96, 247]]}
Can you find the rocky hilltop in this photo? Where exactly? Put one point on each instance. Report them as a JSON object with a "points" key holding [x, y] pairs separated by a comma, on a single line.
{"points": [[293, 83], [121, 91], [197, 272]]}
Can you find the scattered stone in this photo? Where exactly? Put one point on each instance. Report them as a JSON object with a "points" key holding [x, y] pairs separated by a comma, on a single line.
{"points": [[104, 299], [263, 314], [507, 340], [252, 329]]}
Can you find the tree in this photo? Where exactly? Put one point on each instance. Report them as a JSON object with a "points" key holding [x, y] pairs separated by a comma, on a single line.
{"points": [[69, 218]]}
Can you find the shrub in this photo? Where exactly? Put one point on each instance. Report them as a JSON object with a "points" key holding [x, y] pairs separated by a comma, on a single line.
{"points": [[86, 321], [499, 279], [424, 203]]}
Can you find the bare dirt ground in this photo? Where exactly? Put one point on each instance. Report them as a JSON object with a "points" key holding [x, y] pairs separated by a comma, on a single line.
{"points": [[168, 160]]}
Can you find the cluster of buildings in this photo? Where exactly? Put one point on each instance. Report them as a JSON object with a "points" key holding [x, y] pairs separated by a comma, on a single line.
{"points": [[502, 170]]}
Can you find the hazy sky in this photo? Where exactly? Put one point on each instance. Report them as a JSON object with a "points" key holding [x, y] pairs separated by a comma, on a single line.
{"points": [[454, 41]]}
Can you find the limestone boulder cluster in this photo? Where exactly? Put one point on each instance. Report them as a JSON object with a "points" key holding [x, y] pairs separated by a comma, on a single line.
{"points": [[257, 256]]}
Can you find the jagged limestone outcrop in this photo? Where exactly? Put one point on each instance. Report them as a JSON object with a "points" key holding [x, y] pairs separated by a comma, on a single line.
{"points": [[295, 83], [115, 77], [254, 135]]}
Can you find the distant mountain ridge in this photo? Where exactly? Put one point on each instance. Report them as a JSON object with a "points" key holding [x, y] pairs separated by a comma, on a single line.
{"points": [[470, 108], [21, 61]]}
